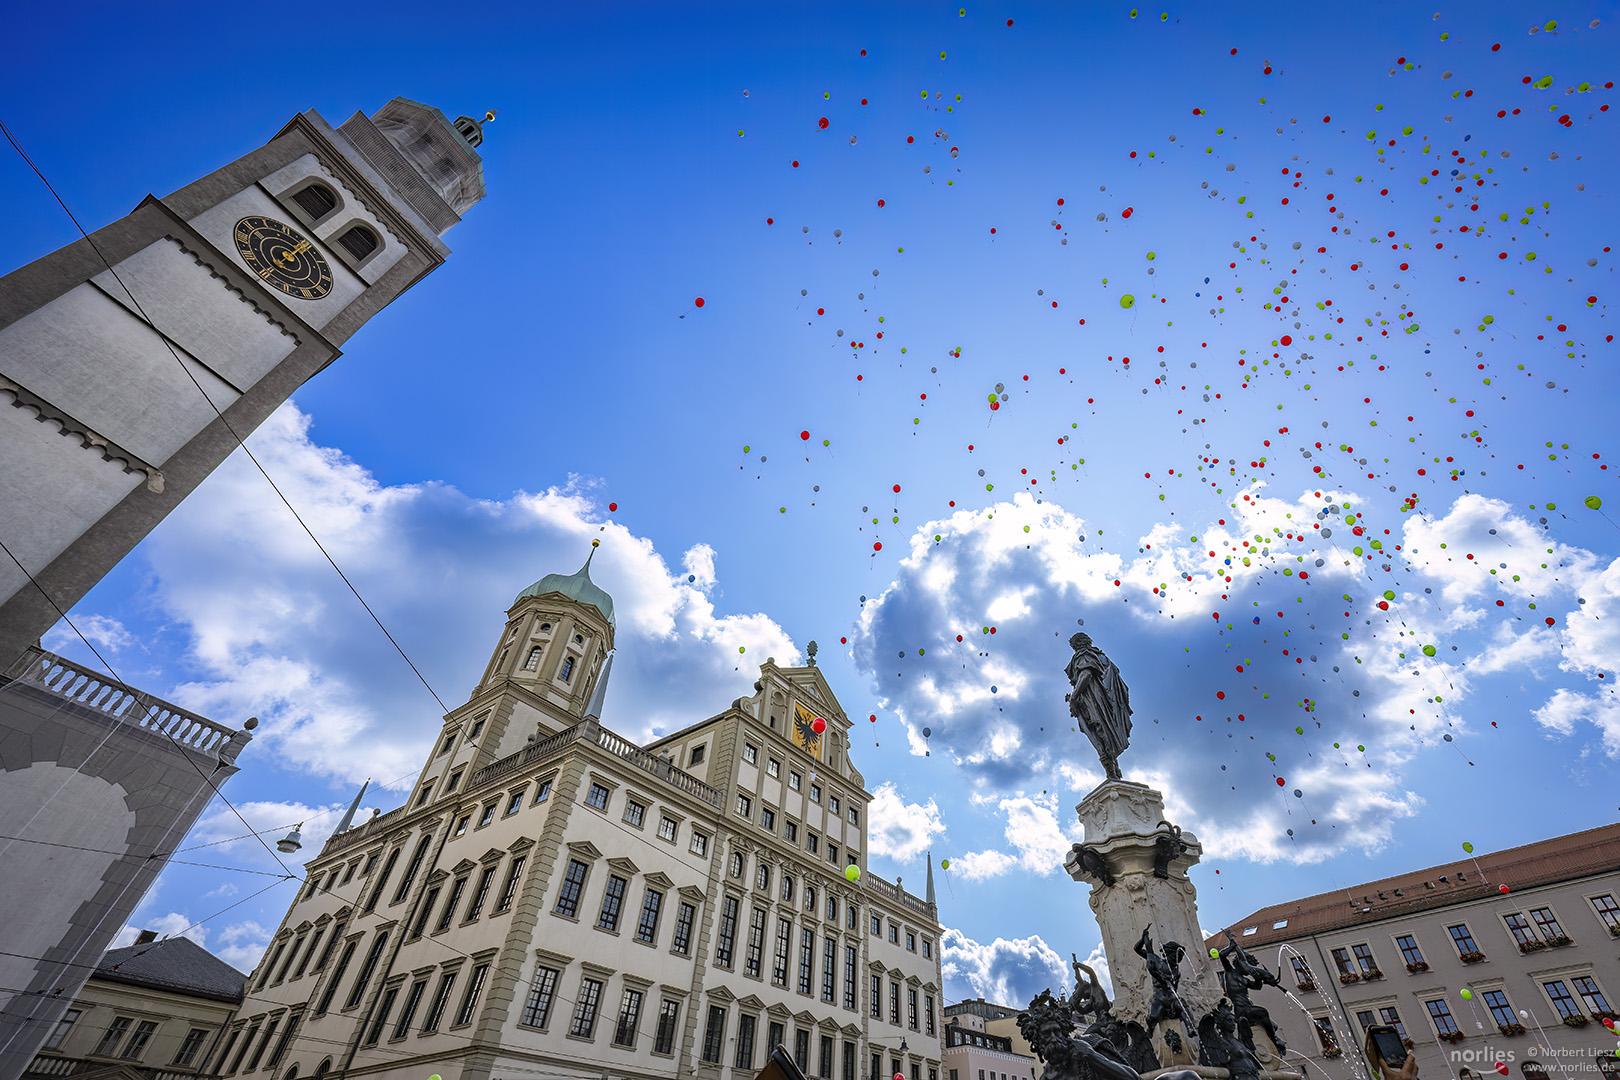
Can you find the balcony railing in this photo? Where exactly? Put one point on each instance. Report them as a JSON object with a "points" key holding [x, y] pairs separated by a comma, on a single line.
{"points": [[67, 681], [375, 827], [896, 895]]}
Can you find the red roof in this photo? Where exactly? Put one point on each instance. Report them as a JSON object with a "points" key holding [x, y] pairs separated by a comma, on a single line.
{"points": [[1545, 862]]}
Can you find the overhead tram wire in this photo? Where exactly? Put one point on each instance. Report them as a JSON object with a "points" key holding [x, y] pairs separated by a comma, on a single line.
{"points": [[221, 416]]}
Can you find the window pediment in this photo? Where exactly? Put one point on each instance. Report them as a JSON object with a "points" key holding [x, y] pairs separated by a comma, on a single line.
{"points": [[805, 1019], [691, 893], [752, 1001], [437, 876], [463, 866], [779, 1011], [520, 845], [674, 991], [492, 856], [598, 970], [660, 880], [720, 993], [624, 866], [584, 850], [546, 956]]}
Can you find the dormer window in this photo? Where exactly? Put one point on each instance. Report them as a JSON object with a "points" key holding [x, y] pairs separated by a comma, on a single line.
{"points": [[533, 660], [567, 669], [316, 200], [359, 241]]}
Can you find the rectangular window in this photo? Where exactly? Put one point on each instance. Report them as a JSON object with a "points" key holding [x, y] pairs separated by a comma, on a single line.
{"points": [[1520, 928], [487, 816], [682, 942], [1366, 1019], [448, 915], [336, 977], [598, 797], [877, 1068], [374, 1035], [624, 1034], [480, 894], [542, 793], [714, 1034], [695, 760], [1559, 993], [829, 970], [773, 767], [824, 1067], [784, 941], [832, 806], [247, 1041], [1440, 1013], [877, 997], [750, 754], [776, 1037], [801, 1049], [745, 805], [666, 829], [1390, 1016], [1501, 1010], [183, 1057], [461, 826], [877, 926], [1547, 923], [753, 959], [700, 843], [807, 950], [427, 790], [894, 933], [1302, 973], [849, 1061], [1409, 949], [815, 793], [634, 813], [726, 939], [469, 1000], [911, 1009], [767, 818], [143, 1035], [928, 949], [590, 996], [668, 1017], [382, 879], [1341, 960], [1608, 911], [849, 977], [265, 969], [1462, 938], [928, 1014], [793, 780], [542, 992], [366, 969], [1588, 989], [812, 843], [894, 1003], [745, 1040], [514, 803], [1324, 1033], [832, 854], [854, 816], [911, 941], [441, 1001], [573, 883], [1364, 957], [612, 902], [509, 890], [407, 1012], [790, 832], [852, 918], [647, 927]]}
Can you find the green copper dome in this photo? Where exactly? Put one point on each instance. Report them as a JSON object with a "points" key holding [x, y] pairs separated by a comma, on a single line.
{"points": [[577, 586]]}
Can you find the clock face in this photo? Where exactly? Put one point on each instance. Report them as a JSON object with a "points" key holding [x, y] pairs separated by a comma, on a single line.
{"points": [[804, 731], [283, 259]]}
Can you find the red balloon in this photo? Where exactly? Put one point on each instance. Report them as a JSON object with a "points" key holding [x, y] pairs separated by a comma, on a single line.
{"points": [[612, 507], [1281, 782], [878, 546], [897, 487], [818, 725], [1501, 1067], [822, 123], [1502, 889], [804, 435], [698, 301], [874, 718], [1287, 339]]}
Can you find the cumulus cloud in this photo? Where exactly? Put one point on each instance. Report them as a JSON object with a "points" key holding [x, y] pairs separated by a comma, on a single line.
{"points": [[275, 633], [1008, 972], [172, 924], [900, 830], [104, 632], [241, 944], [1275, 731]]}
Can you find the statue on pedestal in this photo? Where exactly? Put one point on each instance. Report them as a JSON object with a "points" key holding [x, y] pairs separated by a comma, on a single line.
{"points": [[1245, 973], [1221, 1047], [1166, 975], [1100, 702]]}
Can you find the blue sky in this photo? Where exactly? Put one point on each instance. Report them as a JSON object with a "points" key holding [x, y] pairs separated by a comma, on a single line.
{"points": [[988, 209]]}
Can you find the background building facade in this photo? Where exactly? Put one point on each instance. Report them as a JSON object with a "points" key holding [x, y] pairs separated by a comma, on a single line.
{"points": [[137, 357], [973, 1051], [1531, 930], [554, 899]]}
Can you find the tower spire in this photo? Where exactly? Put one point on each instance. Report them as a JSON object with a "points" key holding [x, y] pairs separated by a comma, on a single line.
{"points": [[930, 890], [593, 711], [348, 818]]}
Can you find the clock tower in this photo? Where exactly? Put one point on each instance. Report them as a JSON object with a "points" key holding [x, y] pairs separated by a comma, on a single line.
{"points": [[134, 360]]}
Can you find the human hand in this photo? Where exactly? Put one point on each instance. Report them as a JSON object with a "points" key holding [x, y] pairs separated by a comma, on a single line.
{"points": [[1409, 1070]]}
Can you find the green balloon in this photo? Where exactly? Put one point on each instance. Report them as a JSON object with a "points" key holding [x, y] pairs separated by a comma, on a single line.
{"points": [[852, 872], [1468, 995], [1428, 650], [1127, 301], [1594, 503], [1214, 954], [1468, 847], [944, 864]]}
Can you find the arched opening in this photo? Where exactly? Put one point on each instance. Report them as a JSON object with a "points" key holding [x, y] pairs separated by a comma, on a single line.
{"points": [[359, 241], [316, 200]]}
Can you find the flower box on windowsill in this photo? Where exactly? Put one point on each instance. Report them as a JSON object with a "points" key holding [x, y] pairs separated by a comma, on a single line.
{"points": [[1409, 1044], [1373, 974], [1349, 977], [1531, 946], [1306, 987], [1510, 1029], [1333, 1052], [1416, 966], [1614, 931], [1474, 957], [1579, 1020], [1560, 941], [1454, 1038]]}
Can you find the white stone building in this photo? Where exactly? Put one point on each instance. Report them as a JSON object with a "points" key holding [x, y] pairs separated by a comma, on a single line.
{"points": [[980, 1043], [555, 900]]}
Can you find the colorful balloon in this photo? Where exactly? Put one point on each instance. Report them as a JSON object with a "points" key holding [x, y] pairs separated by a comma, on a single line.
{"points": [[1468, 847], [818, 725], [1127, 301], [852, 872]]}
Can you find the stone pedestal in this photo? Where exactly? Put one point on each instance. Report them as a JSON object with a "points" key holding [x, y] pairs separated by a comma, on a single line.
{"points": [[1123, 823]]}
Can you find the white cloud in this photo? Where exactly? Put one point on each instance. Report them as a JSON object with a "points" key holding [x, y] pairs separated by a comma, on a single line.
{"points": [[241, 944], [1008, 972], [172, 924], [275, 632], [107, 634], [1565, 709], [900, 830]]}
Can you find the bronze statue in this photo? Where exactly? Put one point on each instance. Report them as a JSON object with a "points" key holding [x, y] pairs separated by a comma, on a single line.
{"points": [[1100, 702], [1088, 997], [1048, 1024], [1167, 848], [1245, 973], [1166, 975], [1220, 1046], [1093, 862]]}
